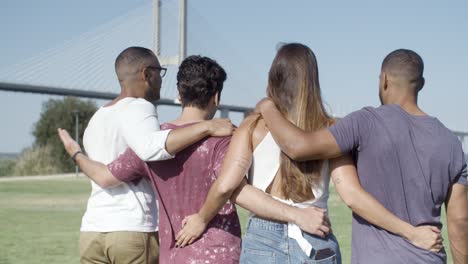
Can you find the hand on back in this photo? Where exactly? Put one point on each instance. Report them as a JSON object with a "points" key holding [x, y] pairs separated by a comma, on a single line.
{"points": [[193, 227], [220, 127], [313, 220], [427, 237]]}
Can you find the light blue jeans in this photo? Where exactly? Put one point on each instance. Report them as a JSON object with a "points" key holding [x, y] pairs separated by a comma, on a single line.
{"points": [[268, 242]]}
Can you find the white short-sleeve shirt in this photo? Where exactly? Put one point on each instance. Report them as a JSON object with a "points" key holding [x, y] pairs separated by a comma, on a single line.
{"points": [[131, 122]]}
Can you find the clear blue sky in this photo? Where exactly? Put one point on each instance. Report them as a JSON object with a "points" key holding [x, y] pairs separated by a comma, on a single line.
{"points": [[350, 39]]}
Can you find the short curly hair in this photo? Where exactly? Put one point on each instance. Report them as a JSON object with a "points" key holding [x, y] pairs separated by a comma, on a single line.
{"points": [[198, 79]]}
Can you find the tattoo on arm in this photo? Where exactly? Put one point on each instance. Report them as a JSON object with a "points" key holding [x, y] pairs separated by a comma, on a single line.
{"points": [[242, 162], [337, 180]]}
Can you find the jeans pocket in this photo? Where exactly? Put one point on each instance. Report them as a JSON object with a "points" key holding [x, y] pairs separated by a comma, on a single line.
{"points": [[251, 256], [329, 260]]}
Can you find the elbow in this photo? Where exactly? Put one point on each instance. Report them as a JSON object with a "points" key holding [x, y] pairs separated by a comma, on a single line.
{"points": [[107, 183], [104, 184], [351, 200], [459, 223], [293, 150], [351, 203], [224, 191]]}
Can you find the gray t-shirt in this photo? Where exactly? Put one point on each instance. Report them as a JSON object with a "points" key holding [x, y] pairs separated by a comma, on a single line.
{"points": [[408, 163]]}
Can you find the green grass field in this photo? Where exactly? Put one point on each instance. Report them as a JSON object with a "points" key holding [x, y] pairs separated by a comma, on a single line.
{"points": [[40, 220]]}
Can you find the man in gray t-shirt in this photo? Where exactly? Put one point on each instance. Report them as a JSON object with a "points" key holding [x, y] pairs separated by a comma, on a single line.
{"points": [[410, 162]]}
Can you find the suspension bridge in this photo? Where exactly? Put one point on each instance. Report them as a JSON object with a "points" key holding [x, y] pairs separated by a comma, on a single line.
{"points": [[84, 66]]}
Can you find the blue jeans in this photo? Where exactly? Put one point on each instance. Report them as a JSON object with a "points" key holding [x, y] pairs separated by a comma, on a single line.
{"points": [[268, 242]]}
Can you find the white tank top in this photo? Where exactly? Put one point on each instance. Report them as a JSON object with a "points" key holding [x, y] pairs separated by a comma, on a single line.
{"points": [[265, 165]]}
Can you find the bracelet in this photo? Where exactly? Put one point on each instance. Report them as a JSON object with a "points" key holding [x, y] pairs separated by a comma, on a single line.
{"points": [[76, 154]]}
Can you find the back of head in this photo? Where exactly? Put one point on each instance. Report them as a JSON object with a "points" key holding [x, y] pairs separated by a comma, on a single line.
{"points": [[198, 80], [131, 60], [293, 84], [406, 67]]}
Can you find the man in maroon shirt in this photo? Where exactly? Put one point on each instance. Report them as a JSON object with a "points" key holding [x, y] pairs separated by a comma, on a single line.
{"points": [[183, 182]]}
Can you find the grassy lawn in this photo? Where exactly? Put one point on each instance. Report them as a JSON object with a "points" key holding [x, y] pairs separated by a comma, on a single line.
{"points": [[40, 220]]}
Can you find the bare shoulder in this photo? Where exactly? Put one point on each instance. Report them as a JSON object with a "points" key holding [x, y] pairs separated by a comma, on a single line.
{"points": [[259, 133], [255, 127]]}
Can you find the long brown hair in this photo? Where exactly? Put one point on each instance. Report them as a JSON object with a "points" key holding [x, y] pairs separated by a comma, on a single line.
{"points": [[293, 84]]}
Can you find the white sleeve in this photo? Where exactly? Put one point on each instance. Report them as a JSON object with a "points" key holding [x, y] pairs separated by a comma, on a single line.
{"points": [[140, 128]]}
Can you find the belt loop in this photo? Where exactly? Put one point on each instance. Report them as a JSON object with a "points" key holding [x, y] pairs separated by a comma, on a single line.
{"points": [[285, 232], [248, 223]]}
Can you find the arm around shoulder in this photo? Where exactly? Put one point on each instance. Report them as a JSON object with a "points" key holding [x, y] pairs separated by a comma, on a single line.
{"points": [[295, 142], [140, 128]]}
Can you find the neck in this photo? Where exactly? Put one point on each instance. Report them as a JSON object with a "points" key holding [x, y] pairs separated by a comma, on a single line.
{"points": [[192, 114], [124, 93], [409, 103]]}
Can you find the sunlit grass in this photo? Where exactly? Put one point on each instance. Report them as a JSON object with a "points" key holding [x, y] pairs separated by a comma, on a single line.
{"points": [[40, 220]]}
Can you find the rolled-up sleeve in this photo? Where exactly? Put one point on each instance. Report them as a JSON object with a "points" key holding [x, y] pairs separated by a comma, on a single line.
{"points": [[141, 130]]}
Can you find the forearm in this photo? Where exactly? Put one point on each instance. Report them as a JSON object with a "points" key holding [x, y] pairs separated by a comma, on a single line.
{"points": [[347, 184], [262, 204], [366, 206], [458, 237], [297, 143], [457, 223], [232, 174], [96, 171], [235, 166], [179, 139], [214, 201]]}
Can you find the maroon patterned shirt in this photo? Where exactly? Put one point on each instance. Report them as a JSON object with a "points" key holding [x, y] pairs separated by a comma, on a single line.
{"points": [[182, 184]]}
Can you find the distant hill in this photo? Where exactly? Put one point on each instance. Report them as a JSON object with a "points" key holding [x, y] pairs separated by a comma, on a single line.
{"points": [[8, 156]]}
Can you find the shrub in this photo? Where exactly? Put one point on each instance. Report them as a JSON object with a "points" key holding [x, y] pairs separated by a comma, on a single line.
{"points": [[55, 114], [6, 167], [36, 160]]}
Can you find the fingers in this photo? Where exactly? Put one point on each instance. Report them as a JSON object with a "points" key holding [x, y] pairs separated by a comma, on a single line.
{"points": [[325, 229], [435, 229], [327, 221], [60, 133], [191, 240], [185, 240], [437, 248], [180, 235], [319, 233]]}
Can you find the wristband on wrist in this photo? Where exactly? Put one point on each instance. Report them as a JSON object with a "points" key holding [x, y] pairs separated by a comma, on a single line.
{"points": [[76, 154]]}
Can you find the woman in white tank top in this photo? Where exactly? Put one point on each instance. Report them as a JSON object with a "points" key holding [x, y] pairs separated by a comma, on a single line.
{"points": [[293, 84]]}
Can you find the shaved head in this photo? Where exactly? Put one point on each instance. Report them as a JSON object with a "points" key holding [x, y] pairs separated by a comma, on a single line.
{"points": [[132, 60], [139, 73], [406, 67]]}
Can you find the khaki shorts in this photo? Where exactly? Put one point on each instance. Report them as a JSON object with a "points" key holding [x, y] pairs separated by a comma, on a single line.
{"points": [[119, 247]]}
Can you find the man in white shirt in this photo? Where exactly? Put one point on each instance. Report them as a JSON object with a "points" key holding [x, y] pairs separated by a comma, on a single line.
{"points": [[120, 224]]}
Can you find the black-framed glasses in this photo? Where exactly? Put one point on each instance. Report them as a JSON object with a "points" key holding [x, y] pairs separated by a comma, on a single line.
{"points": [[162, 71]]}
